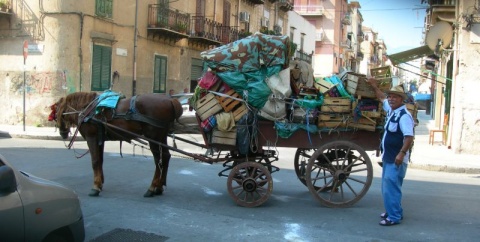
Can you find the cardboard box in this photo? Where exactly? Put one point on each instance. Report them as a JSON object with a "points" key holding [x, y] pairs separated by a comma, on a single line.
{"points": [[224, 138], [208, 106], [336, 105]]}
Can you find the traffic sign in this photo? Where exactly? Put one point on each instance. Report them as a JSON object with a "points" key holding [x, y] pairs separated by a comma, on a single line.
{"points": [[25, 50]]}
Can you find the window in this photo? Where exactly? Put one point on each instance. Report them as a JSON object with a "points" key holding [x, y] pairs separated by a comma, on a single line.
{"points": [[160, 74], [101, 67], [103, 8]]}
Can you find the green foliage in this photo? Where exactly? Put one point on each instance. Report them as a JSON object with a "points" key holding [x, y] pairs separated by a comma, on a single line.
{"points": [[293, 48]]}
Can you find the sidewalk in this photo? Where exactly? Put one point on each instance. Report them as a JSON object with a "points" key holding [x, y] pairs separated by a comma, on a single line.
{"points": [[435, 157]]}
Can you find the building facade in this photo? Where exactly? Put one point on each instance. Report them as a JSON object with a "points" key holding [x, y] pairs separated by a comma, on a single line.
{"points": [[131, 47]]}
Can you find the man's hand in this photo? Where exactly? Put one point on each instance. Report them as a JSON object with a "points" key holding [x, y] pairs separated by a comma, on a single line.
{"points": [[372, 81]]}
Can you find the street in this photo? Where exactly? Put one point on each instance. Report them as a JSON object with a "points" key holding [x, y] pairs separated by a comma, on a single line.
{"points": [[196, 205]]}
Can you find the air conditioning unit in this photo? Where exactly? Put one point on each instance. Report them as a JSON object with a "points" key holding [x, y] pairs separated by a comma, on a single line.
{"points": [[244, 17], [264, 22]]}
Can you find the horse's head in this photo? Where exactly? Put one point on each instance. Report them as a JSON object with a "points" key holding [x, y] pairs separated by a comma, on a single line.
{"points": [[56, 115]]}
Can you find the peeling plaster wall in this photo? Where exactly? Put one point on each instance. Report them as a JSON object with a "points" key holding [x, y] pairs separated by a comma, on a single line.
{"points": [[466, 110]]}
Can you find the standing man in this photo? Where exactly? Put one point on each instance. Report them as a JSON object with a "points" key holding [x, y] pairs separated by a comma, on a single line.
{"points": [[396, 142]]}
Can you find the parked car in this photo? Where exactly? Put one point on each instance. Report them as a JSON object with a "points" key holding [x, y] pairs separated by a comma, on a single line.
{"points": [[35, 209]]}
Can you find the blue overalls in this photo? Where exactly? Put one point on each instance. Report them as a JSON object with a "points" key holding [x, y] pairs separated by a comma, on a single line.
{"points": [[392, 174]]}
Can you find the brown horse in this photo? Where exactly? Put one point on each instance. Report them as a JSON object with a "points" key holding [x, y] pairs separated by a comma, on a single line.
{"points": [[148, 115]]}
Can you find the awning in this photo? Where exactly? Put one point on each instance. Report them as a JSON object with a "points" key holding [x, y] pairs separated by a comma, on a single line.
{"points": [[410, 55]]}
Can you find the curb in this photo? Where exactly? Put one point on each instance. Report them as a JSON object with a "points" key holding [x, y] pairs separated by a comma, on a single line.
{"points": [[444, 168]]}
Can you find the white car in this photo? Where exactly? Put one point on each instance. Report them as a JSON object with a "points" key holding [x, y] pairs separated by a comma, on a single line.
{"points": [[35, 209]]}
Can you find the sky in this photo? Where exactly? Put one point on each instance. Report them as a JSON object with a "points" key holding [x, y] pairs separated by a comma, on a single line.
{"points": [[398, 22]]}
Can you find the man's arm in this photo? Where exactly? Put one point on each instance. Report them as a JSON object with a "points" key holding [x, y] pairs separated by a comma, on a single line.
{"points": [[407, 143], [380, 95]]}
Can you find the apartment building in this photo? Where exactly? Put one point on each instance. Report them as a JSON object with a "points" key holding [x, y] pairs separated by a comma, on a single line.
{"points": [[52, 48]]}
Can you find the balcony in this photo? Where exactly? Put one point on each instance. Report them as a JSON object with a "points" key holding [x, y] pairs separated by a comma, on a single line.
{"points": [[167, 23], [347, 44], [228, 34], [256, 1], [208, 32], [309, 10], [360, 36], [300, 55], [346, 20], [285, 5], [359, 56], [5, 9]]}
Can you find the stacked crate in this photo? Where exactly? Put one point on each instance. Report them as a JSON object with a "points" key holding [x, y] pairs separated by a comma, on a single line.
{"points": [[383, 75], [334, 113]]}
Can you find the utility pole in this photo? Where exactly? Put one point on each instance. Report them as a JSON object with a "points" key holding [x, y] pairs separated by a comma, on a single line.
{"points": [[134, 80]]}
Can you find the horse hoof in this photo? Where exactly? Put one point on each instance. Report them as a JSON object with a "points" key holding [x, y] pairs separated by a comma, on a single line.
{"points": [[94, 193], [149, 194], [155, 192]]}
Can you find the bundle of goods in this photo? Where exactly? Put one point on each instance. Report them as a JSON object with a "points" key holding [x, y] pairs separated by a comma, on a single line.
{"points": [[252, 79], [244, 79]]}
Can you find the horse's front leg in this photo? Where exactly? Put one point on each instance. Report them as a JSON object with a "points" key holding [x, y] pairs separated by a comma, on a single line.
{"points": [[156, 187], [96, 153]]}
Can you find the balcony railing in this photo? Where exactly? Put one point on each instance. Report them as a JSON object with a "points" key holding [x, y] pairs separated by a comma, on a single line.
{"points": [[310, 10], [300, 55], [359, 56], [207, 30], [256, 1], [168, 22], [228, 34], [286, 5]]}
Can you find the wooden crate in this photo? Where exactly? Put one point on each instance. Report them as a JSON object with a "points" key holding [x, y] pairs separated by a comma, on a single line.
{"points": [[322, 85], [224, 138], [239, 111], [228, 103], [208, 106], [332, 121], [381, 72], [336, 105], [363, 123], [413, 109], [358, 87], [371, 114], [300, 116]]}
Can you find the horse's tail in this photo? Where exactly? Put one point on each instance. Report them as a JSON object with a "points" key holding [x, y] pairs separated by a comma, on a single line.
{"points": [[177, 107]]}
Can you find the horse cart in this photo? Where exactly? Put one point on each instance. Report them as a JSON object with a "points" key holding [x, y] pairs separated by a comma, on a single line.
{"points": [[332, 161]]}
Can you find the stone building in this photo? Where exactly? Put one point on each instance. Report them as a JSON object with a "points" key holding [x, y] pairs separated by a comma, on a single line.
{"points": [[131, 47]]}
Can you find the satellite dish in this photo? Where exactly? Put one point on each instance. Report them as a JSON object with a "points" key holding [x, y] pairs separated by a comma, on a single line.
{"points": [[439, 36]]}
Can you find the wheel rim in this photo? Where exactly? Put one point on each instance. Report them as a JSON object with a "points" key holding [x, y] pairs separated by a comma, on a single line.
{"points": [[339, 174], [250, 184]]}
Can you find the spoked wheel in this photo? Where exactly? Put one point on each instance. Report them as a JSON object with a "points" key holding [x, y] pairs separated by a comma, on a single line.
{"points": [[301, 161], [339, 174], [250, 184]]}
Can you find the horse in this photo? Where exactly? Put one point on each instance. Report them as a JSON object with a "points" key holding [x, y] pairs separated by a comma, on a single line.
{"points": [[147, 115]]}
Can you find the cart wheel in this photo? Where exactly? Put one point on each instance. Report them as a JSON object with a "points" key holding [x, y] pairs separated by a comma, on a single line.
{"points": [[339, 174], [301, 161], [250, 184]]}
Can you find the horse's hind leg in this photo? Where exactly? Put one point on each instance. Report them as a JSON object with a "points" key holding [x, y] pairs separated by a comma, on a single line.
{"points": [[156, 187]]}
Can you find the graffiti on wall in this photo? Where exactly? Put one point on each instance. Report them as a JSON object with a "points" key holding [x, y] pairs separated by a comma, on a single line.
{"points": [[40, 82]]}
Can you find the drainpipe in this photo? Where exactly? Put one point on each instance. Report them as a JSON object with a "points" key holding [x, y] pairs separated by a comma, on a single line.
{"points": [[134, 80]]}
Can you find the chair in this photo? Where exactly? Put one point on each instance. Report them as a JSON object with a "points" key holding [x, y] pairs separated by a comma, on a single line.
{"points": [[443, 131]]}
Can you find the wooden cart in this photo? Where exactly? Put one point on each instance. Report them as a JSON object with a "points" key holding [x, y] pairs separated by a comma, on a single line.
{"points": [[333, 165]]}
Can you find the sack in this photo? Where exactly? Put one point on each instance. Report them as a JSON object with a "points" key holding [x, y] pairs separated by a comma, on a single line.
{"points": [[279, 84]]}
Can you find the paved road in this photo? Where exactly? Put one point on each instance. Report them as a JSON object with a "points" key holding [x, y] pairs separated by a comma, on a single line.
{"points": [[196, 206]]}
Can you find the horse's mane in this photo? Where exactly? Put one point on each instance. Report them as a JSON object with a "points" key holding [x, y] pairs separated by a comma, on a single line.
{"points": [[75, 102]]}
